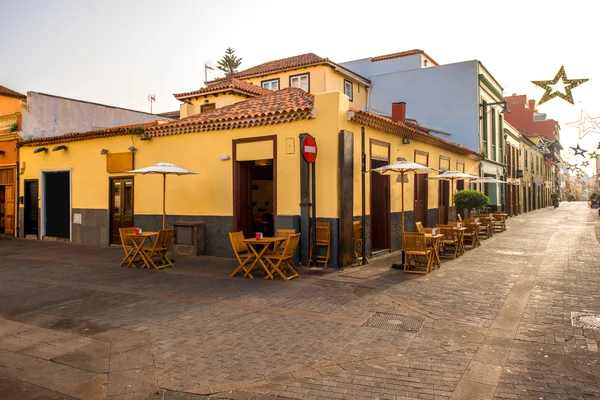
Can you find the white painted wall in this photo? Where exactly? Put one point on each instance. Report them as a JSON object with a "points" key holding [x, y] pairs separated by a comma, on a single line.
{"points": [[367, 68], [444, 98], [48, 115]]}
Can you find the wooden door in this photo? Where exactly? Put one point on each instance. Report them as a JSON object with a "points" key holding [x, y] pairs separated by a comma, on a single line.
{"points": [[443, 201], [421, 193], [9, 213], [380, 208], [121, 207], [31, 207], [242, 190]]}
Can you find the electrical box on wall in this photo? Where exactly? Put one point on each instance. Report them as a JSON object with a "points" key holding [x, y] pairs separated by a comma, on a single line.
{"points": [[290, 146]]}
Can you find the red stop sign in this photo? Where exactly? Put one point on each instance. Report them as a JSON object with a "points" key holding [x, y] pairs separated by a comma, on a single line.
{"points": [[309, 149]]}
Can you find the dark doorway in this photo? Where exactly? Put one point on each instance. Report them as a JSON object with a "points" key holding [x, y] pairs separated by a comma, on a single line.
{"points": [[121, 207], [421, 193], [57, 197], [254, 194], [380, 208], [31, 222], [443, 201]]}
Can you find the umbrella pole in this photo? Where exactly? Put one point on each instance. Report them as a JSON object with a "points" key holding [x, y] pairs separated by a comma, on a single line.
{"points": [[402, 189], [164, 195], [452, 197]]}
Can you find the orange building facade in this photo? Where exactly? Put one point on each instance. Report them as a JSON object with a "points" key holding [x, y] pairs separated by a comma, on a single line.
{"points": [[10, 125]]}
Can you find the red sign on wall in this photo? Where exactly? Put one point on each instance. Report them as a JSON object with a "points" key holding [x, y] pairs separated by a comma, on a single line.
{"points": [[309, 149]]}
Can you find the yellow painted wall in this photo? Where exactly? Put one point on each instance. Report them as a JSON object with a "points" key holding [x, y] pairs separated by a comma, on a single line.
{"points": [[211, 192], [335, 81], [9, 105], [322, 79]]}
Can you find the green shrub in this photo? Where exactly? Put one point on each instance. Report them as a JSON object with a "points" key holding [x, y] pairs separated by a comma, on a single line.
{"points": [[593, 196], [471, 200]]}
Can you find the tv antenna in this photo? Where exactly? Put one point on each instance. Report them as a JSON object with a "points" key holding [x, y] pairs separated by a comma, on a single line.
{"points": [[206, 67], [151, 99]]}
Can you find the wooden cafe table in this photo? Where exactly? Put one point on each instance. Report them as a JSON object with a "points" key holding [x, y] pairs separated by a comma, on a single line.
{"points": [[266, 243], [435, 243], [138, 240], [460, 235]]}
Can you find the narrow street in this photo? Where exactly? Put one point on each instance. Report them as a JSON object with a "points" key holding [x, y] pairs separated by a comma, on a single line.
{"points": [[492, 324]]}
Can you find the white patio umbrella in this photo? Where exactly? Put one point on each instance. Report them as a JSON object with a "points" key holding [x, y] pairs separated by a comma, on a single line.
{"points": [[402, 168], [487, 179], [164, 169], [452, 176]]}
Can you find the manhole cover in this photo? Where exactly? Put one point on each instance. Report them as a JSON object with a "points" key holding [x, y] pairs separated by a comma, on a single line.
{"points": [[585, 320], [397, 322]]}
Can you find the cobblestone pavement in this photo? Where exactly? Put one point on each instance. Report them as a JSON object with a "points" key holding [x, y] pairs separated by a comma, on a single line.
{"points": [[493, 324]]}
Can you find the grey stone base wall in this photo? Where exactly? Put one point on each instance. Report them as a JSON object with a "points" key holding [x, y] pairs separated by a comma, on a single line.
{"points": [[432, 217], [94, 228], [409, 226], [216, 230]]}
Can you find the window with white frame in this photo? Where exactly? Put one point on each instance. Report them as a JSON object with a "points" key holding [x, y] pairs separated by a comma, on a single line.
{"points": [[300, 81], [273, 84], [348, 89]]}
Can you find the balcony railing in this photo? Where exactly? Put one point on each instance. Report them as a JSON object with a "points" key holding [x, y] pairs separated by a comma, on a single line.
{"points": [[8, 121]]}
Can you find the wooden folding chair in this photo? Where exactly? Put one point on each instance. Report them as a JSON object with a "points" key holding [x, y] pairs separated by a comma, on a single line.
{"points": [[158, 250], [358, 242], [126, 243], [471, 235], [241, 251], [323, 234], [415, 249], [283, 263], [283, 233], [421, 229], [449, 241]]}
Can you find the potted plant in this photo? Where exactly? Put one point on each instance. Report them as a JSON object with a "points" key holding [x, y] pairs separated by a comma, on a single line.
{"points": [[472, 200], [555, 200]]}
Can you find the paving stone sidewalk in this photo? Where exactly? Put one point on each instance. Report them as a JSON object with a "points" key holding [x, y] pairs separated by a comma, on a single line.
{"points": [[495, 323]]}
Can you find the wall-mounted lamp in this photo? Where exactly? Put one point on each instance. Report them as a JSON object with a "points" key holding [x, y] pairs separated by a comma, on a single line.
{"points": [[58, 148], [206, 101], [502, 103], [103, 151], [22, 169], [132, 149], [40, 150], [405, 140], [224, 158]]}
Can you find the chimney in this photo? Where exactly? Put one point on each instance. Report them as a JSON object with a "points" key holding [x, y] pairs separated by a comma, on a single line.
{"points": [[399, 112], [532, 104]]}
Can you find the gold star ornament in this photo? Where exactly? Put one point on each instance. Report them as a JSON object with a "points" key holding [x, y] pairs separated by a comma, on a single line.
{"points": [[586, 124], [559, 80]]}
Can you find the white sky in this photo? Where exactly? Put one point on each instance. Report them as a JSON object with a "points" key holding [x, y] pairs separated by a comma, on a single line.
{"points": [[118, 51]]}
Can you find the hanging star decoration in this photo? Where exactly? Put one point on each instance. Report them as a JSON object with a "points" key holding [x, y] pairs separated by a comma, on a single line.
{"points": [[579, 151], [566, 83], [593, 154], [585, 163], [572, 167], [586, 124]]}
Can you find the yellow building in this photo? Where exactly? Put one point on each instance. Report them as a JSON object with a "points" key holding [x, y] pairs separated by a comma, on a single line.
{"points": [[251, 172], [10, 125]]}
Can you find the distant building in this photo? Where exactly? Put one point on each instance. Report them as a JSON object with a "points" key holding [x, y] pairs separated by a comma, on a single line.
{"points": [[461, 99]]}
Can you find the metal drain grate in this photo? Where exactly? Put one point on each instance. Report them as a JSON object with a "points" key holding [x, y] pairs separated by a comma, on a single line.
{"points": [[396, 322], [585, 320]]}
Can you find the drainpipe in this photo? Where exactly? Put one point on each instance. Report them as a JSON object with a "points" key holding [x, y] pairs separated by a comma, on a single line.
{"points": [[368, 99]]}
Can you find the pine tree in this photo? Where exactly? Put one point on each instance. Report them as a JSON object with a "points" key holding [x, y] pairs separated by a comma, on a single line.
{"points": [[229, 63]]}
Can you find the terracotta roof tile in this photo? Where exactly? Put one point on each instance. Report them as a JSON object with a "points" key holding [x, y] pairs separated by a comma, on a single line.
{"points": [[226, 84], [4, 91], [405, 130], [284, 105], [170, 114], [403, 54], [286, 64], [76, 136]]}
